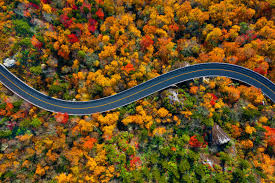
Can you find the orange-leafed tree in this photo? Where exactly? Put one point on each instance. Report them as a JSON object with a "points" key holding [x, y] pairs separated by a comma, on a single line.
{"points": [[145, 42], [62, 117]]}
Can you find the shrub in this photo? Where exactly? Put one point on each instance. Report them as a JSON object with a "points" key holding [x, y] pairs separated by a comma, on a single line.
{"points": [[22, 28], [184, 166], [154, 158], [5, 133], [220, 178], [21, 131], [243, 164], [17, 103], [244, 27], [156, 174], [9, 175], [3, 106], [173, 169], [189, 102], [137, 176], [165, 151], [81, 54], [55, 89], [209, 122], [37, 70], [238, 176], [26, 42], [16, 106], [224, 157], [36, 122], [249, 114], [171, 107], [3, 120], [199, 170], [25, 123], [192, 156], [186, 178]]}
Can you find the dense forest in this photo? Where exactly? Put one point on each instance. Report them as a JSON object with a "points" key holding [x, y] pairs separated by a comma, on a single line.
{"points": [[211, 129]]}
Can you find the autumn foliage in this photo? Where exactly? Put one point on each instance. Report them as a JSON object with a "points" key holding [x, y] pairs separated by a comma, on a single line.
{"points": [[81, 50], [270, 136], [73, 38], [195, 142], [35, 42], [129, 67], [146, 41], [62, 118]]}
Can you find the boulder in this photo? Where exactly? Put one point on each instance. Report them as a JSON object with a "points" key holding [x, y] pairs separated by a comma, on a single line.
{"points": [[219, 137], [9, 62]]}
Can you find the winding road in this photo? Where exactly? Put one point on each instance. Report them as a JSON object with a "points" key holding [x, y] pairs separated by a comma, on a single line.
{"points": [[135, 93]]}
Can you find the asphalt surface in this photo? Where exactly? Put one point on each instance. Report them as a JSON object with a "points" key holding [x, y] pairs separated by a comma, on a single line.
{"points": [[128, 96]]}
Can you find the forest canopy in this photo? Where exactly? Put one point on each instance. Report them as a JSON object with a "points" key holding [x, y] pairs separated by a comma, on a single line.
{"points": [[204, 130]]}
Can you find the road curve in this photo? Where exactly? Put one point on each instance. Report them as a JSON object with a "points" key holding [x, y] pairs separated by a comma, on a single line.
{"points": [[135, 93]]}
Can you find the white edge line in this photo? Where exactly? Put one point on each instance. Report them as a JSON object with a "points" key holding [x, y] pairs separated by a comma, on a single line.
{"points": [[177, 83], [136, 99], [134, 87], [69, 101], [27, 99]]}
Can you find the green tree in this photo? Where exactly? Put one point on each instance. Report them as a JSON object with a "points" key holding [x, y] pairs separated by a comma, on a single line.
{"points": [[37, 70], [36, 122], [22, 28]]}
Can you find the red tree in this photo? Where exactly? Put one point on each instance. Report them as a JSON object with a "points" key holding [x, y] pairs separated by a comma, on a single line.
{"points": [[145, 42], [62, 118], [100, 13], [65, 20], [73, 38], [92, 25], [195, 142], [214, 99]]}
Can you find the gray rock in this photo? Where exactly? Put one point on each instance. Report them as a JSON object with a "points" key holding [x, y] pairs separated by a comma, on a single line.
{"points": [[209, 159], [4, 146], [219, 137], [9, 62], [172, 93]]}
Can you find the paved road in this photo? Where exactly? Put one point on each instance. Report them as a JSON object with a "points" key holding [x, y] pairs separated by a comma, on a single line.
{"points": [[128, 96]]}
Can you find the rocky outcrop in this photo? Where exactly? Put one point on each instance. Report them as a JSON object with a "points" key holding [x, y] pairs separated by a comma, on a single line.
{"points": [[9, 62], [209, 159], [219, 137], [172, 94]]}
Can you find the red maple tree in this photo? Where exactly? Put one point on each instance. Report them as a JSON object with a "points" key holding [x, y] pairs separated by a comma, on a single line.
{"points": [[135, 161], [214, 99], [100, 13], [270, 135], [73, 38], [145, 42], [65, 20], [129, 67], [62, 118], [195, 142]]}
